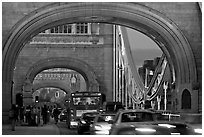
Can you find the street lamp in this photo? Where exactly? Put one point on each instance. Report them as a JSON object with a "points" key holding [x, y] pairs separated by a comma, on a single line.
{"points": [[165, 86], [158, 101]]}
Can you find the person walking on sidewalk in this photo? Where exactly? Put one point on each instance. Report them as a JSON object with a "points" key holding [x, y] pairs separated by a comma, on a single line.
{"points": [[38, 116], [56, 113], [13, 116], [44, 114]]}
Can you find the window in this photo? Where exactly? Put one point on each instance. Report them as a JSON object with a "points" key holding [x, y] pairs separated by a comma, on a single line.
{"points": [[57, 94], [82, 28], [67, 28], [62, 29], [79, 28], [186, 100], [136, 117]]}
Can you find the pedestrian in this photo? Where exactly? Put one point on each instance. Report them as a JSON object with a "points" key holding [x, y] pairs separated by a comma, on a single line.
{"points": [[33, 116], [38, 116], [56, 114], [48, 114], [29, 118], [13, 116], [44, 114], [21, 115]]}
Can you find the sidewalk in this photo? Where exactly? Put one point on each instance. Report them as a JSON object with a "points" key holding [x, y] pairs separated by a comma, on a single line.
{"points": [[49, 129]]}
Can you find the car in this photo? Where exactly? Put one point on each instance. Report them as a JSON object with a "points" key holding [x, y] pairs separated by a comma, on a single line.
{"points": [[176, 127], [132, 116], [85, 121], [101, 125], [147, 119], [63, 115]]}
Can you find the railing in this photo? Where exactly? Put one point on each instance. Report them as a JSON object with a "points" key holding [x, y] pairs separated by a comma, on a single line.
{"points": [[139, 93]]}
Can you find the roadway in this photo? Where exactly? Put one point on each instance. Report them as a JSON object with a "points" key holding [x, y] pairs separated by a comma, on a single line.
{"points": [[48, 129]]}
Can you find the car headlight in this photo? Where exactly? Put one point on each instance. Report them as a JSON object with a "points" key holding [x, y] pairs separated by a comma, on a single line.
{"points": [[145, 130], [97, 127], [167, 125], [83, 122], [198, 130]]}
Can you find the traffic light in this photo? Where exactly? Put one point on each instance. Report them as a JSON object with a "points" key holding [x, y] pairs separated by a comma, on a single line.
{"points": [[19, 99], [36, 98]]}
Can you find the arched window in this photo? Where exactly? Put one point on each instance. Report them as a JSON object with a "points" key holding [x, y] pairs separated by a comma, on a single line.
{"points": [[57, 94], [186, 100]]}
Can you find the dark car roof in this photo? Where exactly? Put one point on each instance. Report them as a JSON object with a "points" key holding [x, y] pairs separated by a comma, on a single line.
{"points": [[106, 114], [91, 113], [114, 103]]}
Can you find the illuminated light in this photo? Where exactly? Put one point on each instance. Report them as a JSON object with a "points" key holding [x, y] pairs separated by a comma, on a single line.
{"points": [[197, 130], [97, 127], [74, 123], [167, 125], [102, 132], [108, 118], [82, 121], [175, 133], [145, 129]]}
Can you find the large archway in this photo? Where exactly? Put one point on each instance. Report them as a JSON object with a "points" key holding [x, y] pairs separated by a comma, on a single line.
{"points": [[68, 63], [144, 19]]}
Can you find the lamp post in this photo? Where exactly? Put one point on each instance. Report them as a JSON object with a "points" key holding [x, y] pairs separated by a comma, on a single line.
{"points": [[165, 86], [158, 101]]}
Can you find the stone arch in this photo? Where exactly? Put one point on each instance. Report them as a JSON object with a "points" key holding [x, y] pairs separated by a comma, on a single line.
{"points": [[136, 16], [186, 100], [69, 63], [53, 85]]}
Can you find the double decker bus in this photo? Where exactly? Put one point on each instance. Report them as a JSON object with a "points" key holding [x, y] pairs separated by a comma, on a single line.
{"points": [[82, 102]]}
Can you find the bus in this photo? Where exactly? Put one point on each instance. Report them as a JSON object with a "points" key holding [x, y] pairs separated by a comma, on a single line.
{"points": [[82, 102]]}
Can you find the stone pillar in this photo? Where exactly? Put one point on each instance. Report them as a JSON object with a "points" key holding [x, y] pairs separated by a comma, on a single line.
{"points": [[27, 92], [94, 87], [6, 100]]}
